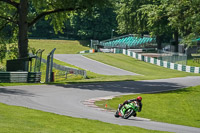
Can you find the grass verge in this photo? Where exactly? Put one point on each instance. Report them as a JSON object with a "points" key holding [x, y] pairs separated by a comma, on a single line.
{"points": [[148, 71], [62, 46], [192, 62], [177, 107], [22, 120]]}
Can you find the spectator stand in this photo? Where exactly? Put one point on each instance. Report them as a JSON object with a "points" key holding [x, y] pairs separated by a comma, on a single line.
{"points": [[131, 41]]}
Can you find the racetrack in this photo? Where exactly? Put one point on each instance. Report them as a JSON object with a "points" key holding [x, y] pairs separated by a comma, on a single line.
{"points": [[91, 65], [70, 99]]}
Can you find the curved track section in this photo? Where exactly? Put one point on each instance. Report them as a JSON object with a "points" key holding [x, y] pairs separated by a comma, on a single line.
{"points": [[68, 99], [91, 65]]}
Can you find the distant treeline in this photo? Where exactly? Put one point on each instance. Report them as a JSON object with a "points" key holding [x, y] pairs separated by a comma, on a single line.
{"points": [[97, 24]]}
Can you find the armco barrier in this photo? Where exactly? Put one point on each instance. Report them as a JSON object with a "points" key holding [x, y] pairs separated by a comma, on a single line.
{"points": [[20, 77], [165, 64], [87, 51], [68, 69]]}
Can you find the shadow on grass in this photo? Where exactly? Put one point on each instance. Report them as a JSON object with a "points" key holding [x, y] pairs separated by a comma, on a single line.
{"points": [[84, 42]]}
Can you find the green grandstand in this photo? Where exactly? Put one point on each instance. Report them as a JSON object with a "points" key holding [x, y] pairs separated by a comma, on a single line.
{"points": [[129, 41]]}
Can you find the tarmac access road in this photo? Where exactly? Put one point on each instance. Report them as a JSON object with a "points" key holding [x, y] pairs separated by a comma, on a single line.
{"points": [[74, 100], [91, 65]]}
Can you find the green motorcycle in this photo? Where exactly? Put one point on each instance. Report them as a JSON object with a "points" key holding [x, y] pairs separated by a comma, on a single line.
{"points": [[127, 110]]}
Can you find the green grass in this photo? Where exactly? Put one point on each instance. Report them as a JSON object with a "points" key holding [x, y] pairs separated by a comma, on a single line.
{"points": [[191, 62], [177, 107], [22, 120], [62, 46], [148, 71], [18, 84]]}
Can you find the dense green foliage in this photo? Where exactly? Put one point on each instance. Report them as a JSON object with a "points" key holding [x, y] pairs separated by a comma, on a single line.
{"points": [[129, 20], [80, 26], [160, 18]]}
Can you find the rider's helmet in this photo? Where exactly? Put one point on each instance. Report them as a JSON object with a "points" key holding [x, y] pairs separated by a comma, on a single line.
{"points": [[139, 99]]}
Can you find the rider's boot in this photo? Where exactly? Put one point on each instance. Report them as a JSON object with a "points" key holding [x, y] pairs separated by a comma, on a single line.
{"points": [[118, 110], [119, 107], [135, 114]]}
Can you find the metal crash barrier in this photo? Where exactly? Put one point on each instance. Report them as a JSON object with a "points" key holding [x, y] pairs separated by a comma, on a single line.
{"points": [[23, 69]]}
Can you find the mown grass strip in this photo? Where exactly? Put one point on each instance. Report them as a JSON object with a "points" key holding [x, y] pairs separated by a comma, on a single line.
{"points": [[62, 46]]}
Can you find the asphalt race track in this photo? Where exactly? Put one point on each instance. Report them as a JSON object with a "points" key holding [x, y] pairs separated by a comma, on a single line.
{"points": [[77, 100], [91, 65], [74, 100]]}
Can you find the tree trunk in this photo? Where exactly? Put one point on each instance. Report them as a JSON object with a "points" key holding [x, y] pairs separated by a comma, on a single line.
{"points": [[176, 40], [159, 42], [23, 29]]}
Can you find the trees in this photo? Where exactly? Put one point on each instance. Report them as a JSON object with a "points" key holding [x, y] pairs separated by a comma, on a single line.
{"points": [[128, 17], [96, 25], [157, 20], [22, 14], [142, 17], [160, 18], [184, 15], [157, 17], [81, 25]]}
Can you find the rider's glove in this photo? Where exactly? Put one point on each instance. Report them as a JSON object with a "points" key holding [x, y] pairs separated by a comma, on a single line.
{"points": [[125, 102]]}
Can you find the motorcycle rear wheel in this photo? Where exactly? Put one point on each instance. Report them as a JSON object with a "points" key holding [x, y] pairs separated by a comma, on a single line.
{"points": [[117, 114]]}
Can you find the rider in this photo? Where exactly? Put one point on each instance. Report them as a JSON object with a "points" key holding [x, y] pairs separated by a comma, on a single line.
{"points": [[138, 99]]}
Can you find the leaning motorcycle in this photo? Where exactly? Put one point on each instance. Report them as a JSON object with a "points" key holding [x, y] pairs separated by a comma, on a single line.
{"points": [[127, 110]]}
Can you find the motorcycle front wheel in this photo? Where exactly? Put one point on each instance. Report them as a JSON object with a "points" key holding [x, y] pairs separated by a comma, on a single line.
{"points": [[128, 113]]}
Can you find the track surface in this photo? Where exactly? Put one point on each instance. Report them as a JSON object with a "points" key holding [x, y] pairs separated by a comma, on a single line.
{"points": [[71, 100], [75, 100], [91, 65]]}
